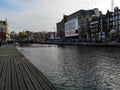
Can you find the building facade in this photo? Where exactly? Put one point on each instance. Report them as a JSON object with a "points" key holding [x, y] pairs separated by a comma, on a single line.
{"points": [[76, 25], [84, 23], [109, 24], [71, 28], [94, 29], [93, 26], [61, 28], [116, 24], [3, 30]]}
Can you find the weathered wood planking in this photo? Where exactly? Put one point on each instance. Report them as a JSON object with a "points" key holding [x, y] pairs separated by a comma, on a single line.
{"points": [[18, 73]]}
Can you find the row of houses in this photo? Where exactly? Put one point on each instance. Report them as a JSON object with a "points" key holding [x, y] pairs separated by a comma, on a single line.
{"points": [[25, 35], [90, 26], [37, 36]]}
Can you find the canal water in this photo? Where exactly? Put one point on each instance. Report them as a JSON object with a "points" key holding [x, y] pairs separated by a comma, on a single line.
{"points": [[77, 67]]}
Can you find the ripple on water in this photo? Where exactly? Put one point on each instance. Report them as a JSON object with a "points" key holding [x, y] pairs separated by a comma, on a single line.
{"points": [[76, 67]]}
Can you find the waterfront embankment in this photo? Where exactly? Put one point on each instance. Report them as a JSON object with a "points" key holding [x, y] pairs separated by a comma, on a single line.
{"points": [[110, 44]]}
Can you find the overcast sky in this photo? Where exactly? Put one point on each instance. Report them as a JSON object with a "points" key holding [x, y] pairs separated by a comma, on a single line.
{"points": [[42, 15]]}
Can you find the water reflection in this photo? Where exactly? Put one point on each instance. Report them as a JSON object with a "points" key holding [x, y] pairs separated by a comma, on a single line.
{"points": [[76, 67]]}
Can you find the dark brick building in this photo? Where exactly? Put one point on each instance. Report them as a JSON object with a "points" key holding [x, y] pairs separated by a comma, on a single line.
{"points": [[61, 28], [84, 23], [3, 30]]}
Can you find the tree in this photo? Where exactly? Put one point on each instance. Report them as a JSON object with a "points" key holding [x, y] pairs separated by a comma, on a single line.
{"points": [[13, 35], [22, 35]]}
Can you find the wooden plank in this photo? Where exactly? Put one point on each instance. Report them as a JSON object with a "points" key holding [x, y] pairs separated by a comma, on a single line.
{"points": [[20, 78], [8, 75], [3, 76], [15, 80], [46, 85], [1, 65], [26, 79]]}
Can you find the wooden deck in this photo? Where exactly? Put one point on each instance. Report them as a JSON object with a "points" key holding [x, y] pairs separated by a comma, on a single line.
{"points": [[17, 73]]}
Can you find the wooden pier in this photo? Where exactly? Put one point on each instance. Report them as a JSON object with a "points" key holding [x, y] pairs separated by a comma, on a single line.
{"points": [[18, 73]]}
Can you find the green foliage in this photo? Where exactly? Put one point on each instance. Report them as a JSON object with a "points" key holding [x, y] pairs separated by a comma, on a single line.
{"points": [[22, 35], [14, 35]]}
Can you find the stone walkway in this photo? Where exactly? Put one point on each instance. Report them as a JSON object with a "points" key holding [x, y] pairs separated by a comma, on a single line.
{"points": [[18, 73]]}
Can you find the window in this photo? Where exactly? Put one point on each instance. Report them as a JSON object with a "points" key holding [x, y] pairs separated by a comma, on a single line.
{"points": [[119, 16], [76, 31], [110, 19], [115, 18], [119, 21]]}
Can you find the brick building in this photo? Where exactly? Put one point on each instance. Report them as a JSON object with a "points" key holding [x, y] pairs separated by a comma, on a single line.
{"points": [[3, 30]]}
